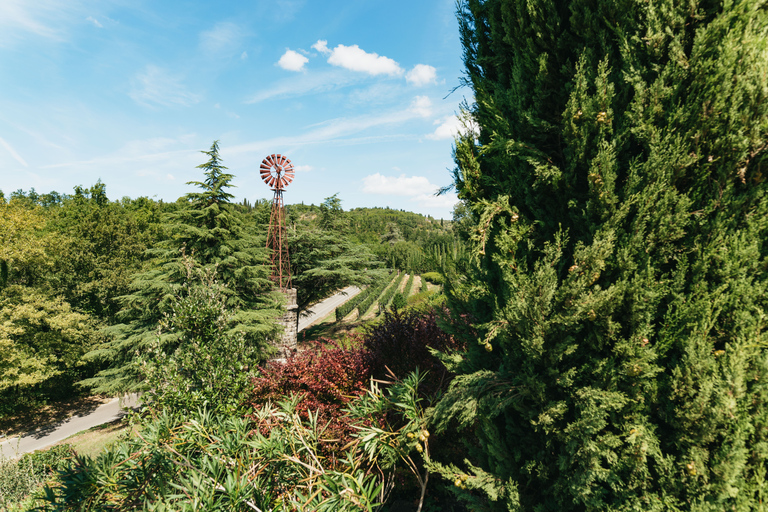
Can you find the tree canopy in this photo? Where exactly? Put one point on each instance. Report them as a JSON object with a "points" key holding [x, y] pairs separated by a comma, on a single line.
{"points": [[618, 356]]}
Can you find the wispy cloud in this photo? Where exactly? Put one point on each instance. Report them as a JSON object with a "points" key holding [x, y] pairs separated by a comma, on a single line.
{"points": [[156, 86], [94, 21], [292, 61], [43, 18], [356, 59], [345, 130], [224, 37], [13, 152], [150, 151], [305, 84]]}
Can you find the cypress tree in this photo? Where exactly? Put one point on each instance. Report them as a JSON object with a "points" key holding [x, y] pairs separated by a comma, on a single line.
{"points": [[617, 354]]}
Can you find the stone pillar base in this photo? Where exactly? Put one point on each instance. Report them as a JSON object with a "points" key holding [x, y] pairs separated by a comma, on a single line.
{"points": [[290, 322]]}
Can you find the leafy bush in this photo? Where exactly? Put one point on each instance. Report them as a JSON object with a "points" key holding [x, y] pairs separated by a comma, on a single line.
{"points": [[20, 478], [390, 292], [399, 301], [324, 378], [433, 277], [206, 366], [274, 462], [401, 343]]}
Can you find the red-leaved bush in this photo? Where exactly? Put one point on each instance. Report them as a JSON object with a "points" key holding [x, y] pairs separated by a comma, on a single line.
{"points": [[327, 376]]}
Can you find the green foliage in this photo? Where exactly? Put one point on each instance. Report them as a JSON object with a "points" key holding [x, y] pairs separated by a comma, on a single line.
{"points": [[211, 231], [331, 214], [617, 353], [399, 301], [102, 244], [22, 477], [322, 262], [205, 365], [201, 460], [433, 277], [41, 340]]}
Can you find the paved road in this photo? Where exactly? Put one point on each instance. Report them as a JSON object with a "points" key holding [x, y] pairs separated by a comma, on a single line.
{"points": [[44, 437], [321, 309]]}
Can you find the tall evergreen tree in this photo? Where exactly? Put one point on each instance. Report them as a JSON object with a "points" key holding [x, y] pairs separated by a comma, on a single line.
{"points": [[619, 356], [210, 231]]}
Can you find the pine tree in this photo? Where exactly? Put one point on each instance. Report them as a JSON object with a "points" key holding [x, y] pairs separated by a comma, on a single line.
{"points": [[617, 350], [210, 231]]}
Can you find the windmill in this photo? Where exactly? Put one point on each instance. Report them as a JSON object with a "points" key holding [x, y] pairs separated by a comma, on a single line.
{"points": [[277, 172]]}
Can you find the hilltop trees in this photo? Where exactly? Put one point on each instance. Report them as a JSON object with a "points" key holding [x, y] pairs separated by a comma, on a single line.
{"points": [[618, 358]]}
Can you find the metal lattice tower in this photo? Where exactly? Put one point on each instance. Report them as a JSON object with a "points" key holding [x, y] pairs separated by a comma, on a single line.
{"points": [[277, 172]]}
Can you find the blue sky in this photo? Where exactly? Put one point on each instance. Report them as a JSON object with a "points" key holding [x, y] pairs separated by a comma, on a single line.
{"points": [[357, 93]]}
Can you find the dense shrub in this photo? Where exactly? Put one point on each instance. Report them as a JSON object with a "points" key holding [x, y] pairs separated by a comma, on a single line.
{"points": [[399, 301], [390, 292], [274, 461], [400, 344], [326, 377], [616, 187], [20, 478], [206, 366], [433, 277]]}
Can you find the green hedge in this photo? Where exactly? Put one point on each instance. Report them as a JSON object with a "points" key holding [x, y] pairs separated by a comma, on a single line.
{"points": [[390, 292]]}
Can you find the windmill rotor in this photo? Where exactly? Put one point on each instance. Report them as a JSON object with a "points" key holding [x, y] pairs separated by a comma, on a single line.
{"points": [[277, 171]]}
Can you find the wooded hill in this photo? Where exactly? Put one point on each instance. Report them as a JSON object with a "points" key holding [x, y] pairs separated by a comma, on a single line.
{"points": [[85, 280]]}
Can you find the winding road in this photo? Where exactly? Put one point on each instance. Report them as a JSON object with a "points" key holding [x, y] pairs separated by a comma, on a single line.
{"points": [[44, 437], [323, 308]]}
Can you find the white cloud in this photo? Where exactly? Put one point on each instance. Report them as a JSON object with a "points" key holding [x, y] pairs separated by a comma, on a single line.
{"points": [[169, 177], [292, 61], [451, 127], [421, 75], [94, 21], [421, 106], [224, 37], [304, 168], [321, 46], [156, 86], [399, 186], [356, 59], [13, 152], [243, 55], [432, 201]]}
